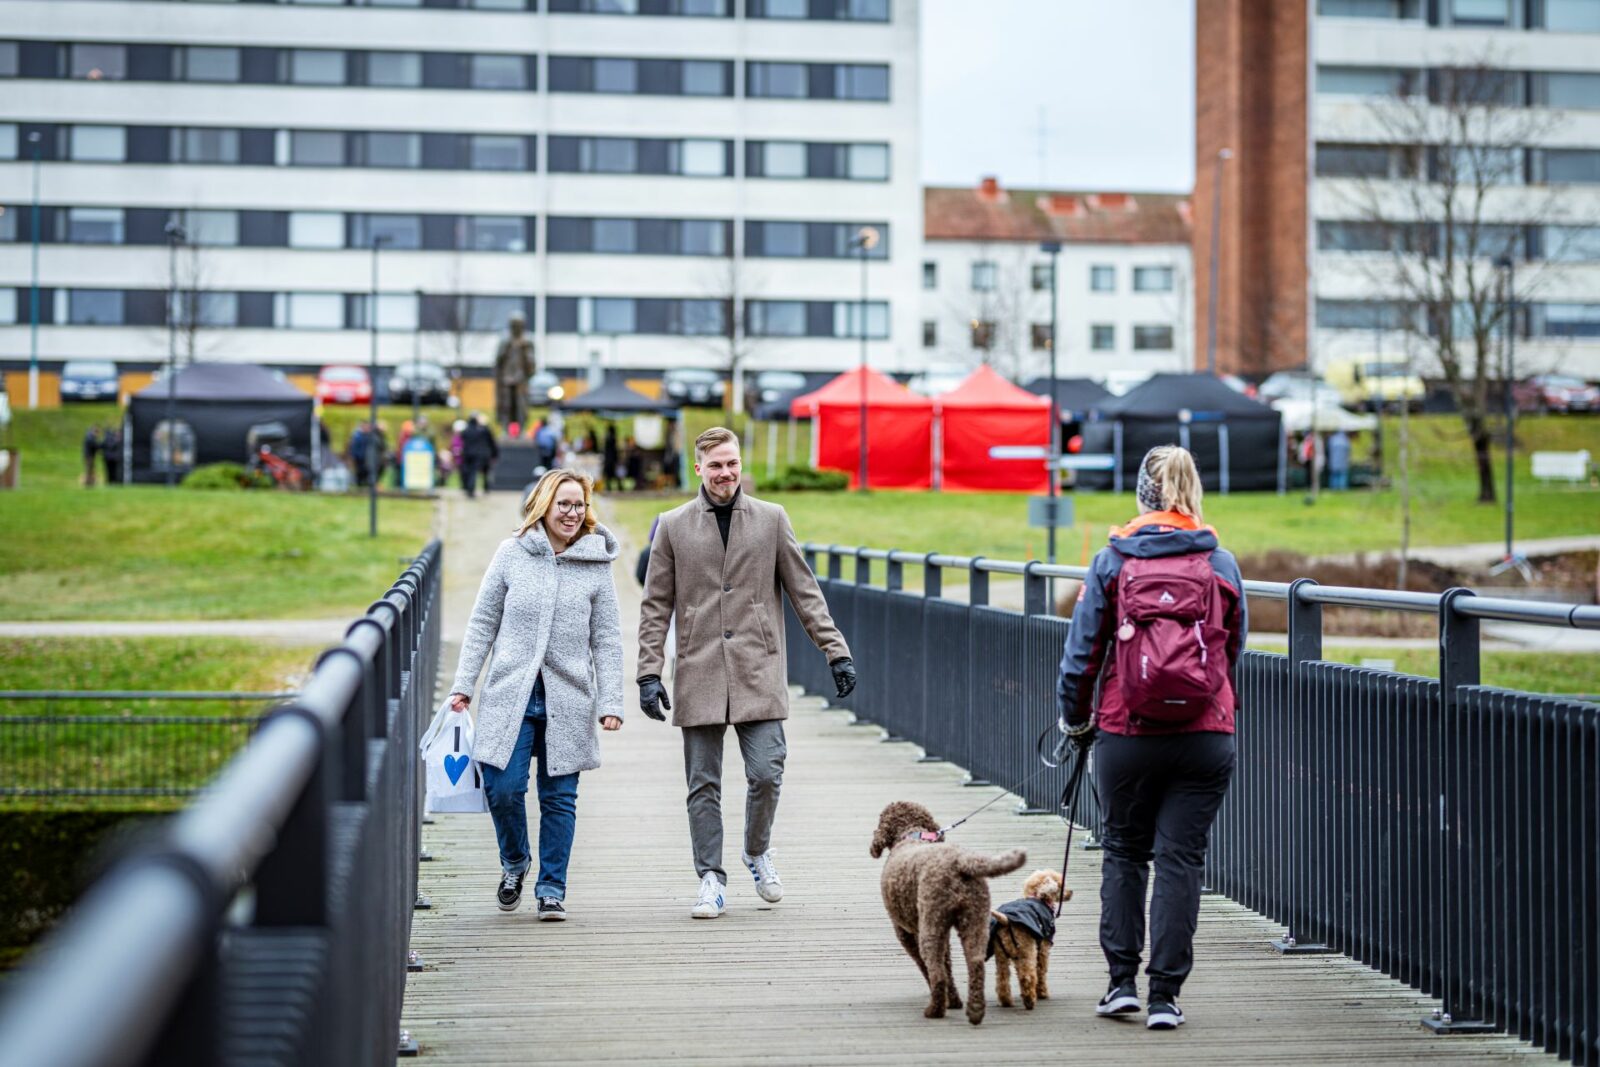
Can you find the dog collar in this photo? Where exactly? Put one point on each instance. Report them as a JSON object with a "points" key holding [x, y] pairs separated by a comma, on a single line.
{"points": [[931, 836]]}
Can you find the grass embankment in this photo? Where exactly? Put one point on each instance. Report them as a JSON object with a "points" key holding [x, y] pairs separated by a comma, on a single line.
{"points": [[132, 755], [1533, 672], [1444, 508], [149, 552]]}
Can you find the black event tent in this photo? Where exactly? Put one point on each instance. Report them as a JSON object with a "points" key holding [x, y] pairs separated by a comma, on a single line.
{"points": [[1237, 442], [617, 397], [1075, 397], [225, 407]]}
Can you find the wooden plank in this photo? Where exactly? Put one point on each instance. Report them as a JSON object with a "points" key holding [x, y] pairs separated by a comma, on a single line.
{"points": [[819, 978]]}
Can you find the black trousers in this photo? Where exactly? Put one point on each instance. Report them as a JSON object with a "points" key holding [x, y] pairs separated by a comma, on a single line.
{"points": [[1158, 798], [470, 470]]}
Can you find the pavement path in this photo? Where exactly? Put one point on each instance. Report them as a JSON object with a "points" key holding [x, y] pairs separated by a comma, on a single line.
{"points": [[818, 978]]}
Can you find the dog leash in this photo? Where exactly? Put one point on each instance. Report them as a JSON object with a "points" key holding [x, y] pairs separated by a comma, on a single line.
{"points": [[1069, 800], [1038, 746]]}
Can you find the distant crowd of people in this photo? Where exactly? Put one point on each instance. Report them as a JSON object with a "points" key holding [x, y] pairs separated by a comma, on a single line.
{"points": [[102, 445]]}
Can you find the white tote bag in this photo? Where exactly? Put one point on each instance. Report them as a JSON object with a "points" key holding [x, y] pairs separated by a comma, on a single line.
{"points": [[454, 782]]}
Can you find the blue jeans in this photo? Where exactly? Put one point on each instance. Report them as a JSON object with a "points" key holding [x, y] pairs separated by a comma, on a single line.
{"points": [[1339, 479], [507, 792]]}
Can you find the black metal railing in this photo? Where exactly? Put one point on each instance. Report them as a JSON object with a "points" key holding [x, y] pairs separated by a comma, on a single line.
{"points": [[1440, 831], [268, 922]]}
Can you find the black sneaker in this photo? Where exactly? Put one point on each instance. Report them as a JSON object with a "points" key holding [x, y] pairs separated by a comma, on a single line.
{"points": [[551, 911], [510, 892], [1163, 1013], [1121, 999]]}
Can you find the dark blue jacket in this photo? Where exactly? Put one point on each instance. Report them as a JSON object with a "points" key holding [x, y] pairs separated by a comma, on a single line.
{"points": [[1088, 644]]}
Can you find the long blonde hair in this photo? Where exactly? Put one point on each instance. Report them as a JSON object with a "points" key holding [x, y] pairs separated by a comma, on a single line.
{"points": [[1172, 468], [543, 498]]}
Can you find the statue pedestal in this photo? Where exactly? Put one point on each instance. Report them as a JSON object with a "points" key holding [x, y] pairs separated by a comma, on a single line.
{"points": [[516, 469]]}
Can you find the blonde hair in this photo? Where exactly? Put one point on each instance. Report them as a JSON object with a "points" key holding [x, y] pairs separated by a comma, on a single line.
{"points": [[717, 435], [543, 498], [1172, 468]]}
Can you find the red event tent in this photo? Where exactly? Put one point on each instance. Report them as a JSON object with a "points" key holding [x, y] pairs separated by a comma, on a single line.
{"points": [[899, 430], [983, 411]]}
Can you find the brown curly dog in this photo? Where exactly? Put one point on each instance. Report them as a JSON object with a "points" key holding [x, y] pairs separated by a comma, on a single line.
{"points": [[1021, 933], [931, 887]]}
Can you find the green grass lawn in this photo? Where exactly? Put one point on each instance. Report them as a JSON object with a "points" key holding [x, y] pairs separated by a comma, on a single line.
{"points": [[1533, 672], [123, 752], [1444, 508], [149, 552]]}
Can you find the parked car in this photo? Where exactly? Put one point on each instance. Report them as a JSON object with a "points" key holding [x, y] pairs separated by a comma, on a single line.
{"points": [[1368, 384], [544, 388], [428, 382], [690, 385], [1296, 385], [344, 385], [1556, 392], [770, 386], [88, 379]]}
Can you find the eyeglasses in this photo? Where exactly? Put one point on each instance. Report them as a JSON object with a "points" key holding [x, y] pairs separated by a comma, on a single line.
{"points": [[564, 507]]}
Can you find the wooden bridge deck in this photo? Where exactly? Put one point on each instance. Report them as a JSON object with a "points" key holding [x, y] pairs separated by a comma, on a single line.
{"points": [[819, 978]]}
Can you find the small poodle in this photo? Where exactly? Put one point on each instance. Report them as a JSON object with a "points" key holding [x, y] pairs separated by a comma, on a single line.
{"points": [[930, 888], [1022, 932]]}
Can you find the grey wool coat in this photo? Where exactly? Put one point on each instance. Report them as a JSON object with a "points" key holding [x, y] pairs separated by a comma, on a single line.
{"points": [[538, 612], [728, 604]]}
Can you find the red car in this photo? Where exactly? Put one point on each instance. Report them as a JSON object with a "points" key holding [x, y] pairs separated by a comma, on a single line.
{"points": [[344, 385], [1556, 392]]}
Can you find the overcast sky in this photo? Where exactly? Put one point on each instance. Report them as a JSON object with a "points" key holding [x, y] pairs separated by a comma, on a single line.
{"points": [[1115, 80]]}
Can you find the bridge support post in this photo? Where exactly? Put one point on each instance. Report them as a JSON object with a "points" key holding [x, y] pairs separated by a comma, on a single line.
{"points": [[1305, 646], [1035, 600]]}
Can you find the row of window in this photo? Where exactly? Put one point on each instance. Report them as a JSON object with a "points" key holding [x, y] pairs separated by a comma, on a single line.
{"points": [[1561, 244], [437, 70], [693, 157], [815, 10], [1102, 336], [1579, 16], [1464, 167], [1507, 88], [441, 312], [1539, 319], [1102, 278], [435, 232]]}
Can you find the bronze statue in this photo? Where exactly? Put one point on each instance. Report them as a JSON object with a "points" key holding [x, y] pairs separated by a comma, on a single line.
{"points": [[513, 366]]}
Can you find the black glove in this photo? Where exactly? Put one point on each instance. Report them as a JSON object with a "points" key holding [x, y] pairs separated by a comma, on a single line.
{"points": [[844, 676], [1081, 734], [653, 697]]}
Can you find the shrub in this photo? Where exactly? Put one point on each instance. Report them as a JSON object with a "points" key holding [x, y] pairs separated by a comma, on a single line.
{"points": [[804, 479], [226, 476]]}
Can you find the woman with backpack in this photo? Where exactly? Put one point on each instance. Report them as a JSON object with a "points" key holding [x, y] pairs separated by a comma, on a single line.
{"points": [[1147, 679]]}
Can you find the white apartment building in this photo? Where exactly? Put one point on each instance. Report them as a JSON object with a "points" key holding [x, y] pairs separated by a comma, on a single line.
{"points": [[1124, 290], [650, 183], [1543, 210]]}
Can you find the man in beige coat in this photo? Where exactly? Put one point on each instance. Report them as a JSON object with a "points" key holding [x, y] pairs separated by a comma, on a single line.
{"points": [[719, 566]]}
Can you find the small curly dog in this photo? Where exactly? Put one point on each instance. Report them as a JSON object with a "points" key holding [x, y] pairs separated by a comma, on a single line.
{"points": [[931, 887], [1021, 933]]}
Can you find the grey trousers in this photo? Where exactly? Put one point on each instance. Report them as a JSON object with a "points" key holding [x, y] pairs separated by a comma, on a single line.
{"points": [[764, 749]]}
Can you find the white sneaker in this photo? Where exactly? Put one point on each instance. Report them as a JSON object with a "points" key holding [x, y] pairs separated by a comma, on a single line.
{"points": [[709, 906], [768, 884]]}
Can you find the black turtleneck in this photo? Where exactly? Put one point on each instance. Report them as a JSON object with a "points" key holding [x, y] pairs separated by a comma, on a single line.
{"points": [[724, 513]]}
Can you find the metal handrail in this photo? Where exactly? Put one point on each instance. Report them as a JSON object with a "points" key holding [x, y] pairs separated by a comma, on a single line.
{"points": [[1542, 613]]}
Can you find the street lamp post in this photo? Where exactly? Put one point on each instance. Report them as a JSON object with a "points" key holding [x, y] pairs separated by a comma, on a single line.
{"points": [[1053, 248], [37, 141], [866, 239], [175, 237], [378, 241], [1508, 313], [1223, 155]]}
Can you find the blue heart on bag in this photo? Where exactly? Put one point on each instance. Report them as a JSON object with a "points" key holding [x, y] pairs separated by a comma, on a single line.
{"points": [[456, 766]]}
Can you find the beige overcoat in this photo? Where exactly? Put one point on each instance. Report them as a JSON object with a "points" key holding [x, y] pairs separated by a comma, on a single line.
{"points": [[731, 664]]}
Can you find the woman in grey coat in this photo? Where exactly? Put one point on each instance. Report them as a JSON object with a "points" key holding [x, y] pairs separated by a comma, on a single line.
{"points": [[548, 610]]}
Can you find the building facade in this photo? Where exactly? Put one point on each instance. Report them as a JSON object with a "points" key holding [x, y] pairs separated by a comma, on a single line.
{"points": [[1124, 285], [649, 183], [1345, 123]]}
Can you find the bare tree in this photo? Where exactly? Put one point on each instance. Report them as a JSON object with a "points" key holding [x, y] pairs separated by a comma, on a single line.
{"points": [[729, 281], [999, 309], [196, 310], [1444, 209], [448, 323]]}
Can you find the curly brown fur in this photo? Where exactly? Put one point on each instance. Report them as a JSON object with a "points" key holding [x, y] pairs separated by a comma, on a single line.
{"points": [[1013, 944], [931, 888]]}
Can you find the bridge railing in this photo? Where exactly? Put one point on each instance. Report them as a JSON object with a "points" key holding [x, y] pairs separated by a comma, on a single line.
{"points": [[1443, 832], [268, 922]]}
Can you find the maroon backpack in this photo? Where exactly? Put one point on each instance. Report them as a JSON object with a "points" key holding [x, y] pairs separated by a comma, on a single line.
{"points": [[1171, 653]]}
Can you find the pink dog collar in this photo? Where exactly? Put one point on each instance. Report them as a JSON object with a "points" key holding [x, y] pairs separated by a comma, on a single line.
{"points": [[931, 836]]}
